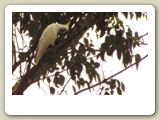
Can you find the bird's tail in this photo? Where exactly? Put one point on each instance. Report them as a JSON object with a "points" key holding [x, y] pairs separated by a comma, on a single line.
{"points": [[35, 58], [38, 55]]}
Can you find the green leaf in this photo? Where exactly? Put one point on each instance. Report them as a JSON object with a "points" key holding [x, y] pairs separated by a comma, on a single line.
{"points": [[91, 61], [91, 45], [56, 79], [137, 59], [86, 42], [73, 73], [113, 24], [31, 42], [98, 77], [74, 89], [97, 36], [125, 14], [110, 51], [136, 34], [131, 15], [118, 83], [112, 92], [118, 38], [61, 80], [112, 39], [119, 91], [78, 83], [96, 65], [44, 72], [129, 33], [103, 47], [52, 90], [90, 70], [126, 58], [120, 22], [78, 68], [81, 81], [48, 80], [106, 93], [102, 55], [87, 34], [82, 47], [119, 54], [113, 84], [117, 26], [22, 56], [144, 15], [38, 84], [122, 86], [108, 41], [88, 54], [98, 55], [92, 51], [88, 85], [130, 59], [138, 15]]}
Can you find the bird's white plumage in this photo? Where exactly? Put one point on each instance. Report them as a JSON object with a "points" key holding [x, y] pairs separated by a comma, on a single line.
{"points": [[47, 38]]}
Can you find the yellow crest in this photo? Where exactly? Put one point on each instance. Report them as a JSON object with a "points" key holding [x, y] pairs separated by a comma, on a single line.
{"points": [[68, 23]]}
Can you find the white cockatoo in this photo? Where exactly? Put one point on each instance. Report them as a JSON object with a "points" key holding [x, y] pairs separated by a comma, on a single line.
{"points": [[48, 37]]}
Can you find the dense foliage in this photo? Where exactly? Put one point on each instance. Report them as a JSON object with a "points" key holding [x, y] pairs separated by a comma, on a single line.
{"points": [[73, 56]]}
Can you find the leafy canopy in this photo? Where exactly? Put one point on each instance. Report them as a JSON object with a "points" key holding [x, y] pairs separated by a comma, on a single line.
{"points": [[64, 63]]}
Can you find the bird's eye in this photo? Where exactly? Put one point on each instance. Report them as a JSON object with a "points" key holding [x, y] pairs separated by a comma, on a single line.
{"points": [[62, 29]]}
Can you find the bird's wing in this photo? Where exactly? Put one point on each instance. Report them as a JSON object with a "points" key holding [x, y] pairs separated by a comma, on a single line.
{"points": [[47, 37], [43, 44]]}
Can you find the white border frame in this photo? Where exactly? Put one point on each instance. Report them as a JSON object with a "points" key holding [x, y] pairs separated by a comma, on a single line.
{"points": [[78, 105]]}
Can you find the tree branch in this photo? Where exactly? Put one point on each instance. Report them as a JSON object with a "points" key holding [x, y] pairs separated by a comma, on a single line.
{"points": [[64, 86], [20, 61], [75, 51], [105, 80]]}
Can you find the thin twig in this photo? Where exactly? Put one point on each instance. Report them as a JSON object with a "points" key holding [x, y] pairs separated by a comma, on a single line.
{"points": [[105, 80], [16, 40], [43, 90], [64, 87]]}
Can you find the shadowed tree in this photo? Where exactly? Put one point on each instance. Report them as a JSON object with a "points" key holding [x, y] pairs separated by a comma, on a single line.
{"points": [[73, 53]]}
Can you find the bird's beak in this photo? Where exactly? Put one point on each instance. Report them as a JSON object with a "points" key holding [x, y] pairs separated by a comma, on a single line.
{"points": [[68, 23]]}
